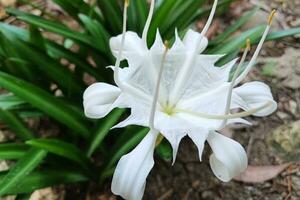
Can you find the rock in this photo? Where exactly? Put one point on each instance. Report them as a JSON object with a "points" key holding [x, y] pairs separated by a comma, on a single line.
{"points": [[259, 18], [6, 3], [285, 141], [47, 194], [287, 69]]}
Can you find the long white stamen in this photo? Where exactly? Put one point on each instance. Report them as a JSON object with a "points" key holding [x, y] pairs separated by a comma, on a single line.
{"points": [[225, 117], [155, 98], [210, 18], [149, 18], [124, 86], [185, 70], [118, 62], [236, 73], [259, 47]]}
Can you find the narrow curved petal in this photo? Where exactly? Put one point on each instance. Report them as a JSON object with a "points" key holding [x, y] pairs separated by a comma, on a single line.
{"points": [[174, 137], [253, 95], [133, 49], [191, 40], [199, 137], [99, 98], [129, 179], [229, 158]]}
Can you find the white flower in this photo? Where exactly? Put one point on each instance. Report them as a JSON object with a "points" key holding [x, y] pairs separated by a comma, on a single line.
{"points": [[177, 92]]}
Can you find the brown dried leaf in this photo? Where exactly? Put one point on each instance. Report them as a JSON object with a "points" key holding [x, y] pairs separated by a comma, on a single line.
{"points": [[259, 174]]}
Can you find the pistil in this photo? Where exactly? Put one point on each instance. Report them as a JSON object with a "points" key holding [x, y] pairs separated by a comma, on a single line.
{"points": [[259, 47], [156, 92], [236, 73], [185, 70]]}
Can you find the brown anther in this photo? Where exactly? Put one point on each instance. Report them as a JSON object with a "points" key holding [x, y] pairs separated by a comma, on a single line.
{"points": [[271, 16]]}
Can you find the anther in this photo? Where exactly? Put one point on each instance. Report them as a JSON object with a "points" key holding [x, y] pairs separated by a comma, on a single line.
{"points": [[271, 16], [248, 43]]}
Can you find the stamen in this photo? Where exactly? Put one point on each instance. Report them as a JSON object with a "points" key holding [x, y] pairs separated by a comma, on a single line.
{"points": [[259, 47], [118, 62], [147, 25], [270, 20], [155, 98], [210, 18], [228, 116], [236, 73], [185, 70]]}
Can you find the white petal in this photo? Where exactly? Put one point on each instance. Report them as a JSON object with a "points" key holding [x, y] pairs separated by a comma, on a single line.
{"points": [[134, 47], [229, 158], [129, 179], [98, 99], [253, 95], [192, 38], [174, 137], [205, 76], [199, 138]]}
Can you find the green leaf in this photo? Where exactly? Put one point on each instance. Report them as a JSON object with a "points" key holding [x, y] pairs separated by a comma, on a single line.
{"points": [[236, 43], [98, 32], [137, 15], [63, 149], [54, 70], [120, 151], [52, 26], [179, 16], [45, 102], [46, 178], [54, 50], [57, 51], [12, 151], [284, 33], [16, 124], [36, 38], [164, 150], [234, 27], [10, 51], [160, 15], [103, 129], [10, 101], [112, 15], [21, 170]]}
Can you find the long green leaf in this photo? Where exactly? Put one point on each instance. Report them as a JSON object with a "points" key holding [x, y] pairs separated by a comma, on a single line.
{"points": [[45, 102], [284, 33], [10, 101], [103, 129], [12, 151], [120, 151], [63, 149], [231, 29], [112, 15], [23, 167], [52, 26], [16, 124], [239, 41], [99, 33], [54, 50], [51, 68], [46, 178]]}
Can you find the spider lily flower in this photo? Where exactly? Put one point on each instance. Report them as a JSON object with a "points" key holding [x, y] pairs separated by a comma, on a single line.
{"points": [[177, 91]]}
